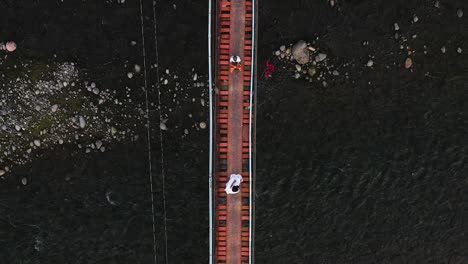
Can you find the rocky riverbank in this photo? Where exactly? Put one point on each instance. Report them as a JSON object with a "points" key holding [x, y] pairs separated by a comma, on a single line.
{"points": [[45, 105]]}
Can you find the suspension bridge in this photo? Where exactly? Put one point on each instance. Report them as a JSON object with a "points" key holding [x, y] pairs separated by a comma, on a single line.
{"points": [[232, 32]]}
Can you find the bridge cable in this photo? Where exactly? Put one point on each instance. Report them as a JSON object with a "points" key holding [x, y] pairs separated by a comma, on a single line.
{"points": [[148, 132], [251, 98], [210, 169], [160, 130]]}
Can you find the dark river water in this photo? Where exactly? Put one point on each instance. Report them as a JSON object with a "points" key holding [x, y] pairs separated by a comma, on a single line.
{"points": [[371, 168]]}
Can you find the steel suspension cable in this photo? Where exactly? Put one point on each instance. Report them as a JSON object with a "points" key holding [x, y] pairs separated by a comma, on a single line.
{"points": [[252, 76], [160, 130], [148, 130], [210, 168]]}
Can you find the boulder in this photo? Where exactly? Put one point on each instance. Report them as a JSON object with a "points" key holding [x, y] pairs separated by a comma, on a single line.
{"points": [[300, 52]]}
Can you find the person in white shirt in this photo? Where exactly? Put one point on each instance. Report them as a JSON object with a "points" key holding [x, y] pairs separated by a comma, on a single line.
{"points": [[233, 185], [235, 63]]}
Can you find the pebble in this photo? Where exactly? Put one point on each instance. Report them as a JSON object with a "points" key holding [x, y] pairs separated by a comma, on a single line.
{"points": [[129, 75], [102, 149], [336, 73], [54, 108], [113, 131], [60, 141], [460, 13], [283, 48], [437, 4], [133, 43], [37, 142], [298, 67], [82, 122], [202, 102], [24, 181], [17, 127], [137, 68], [370, 63], [312, 71], [320, 57], [297, 75], [98, 144], [202, 125], [162, 126], [2, 172], [415, 18], [166, 81], [396, 26], [408, 63], [93, 85], [96, 91], [443, 49], [459, 50], [277, 53], [195, 77], [186, 131]]}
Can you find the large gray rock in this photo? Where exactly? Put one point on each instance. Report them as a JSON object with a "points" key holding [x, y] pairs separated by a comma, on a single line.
{"points": [[300, 52]]}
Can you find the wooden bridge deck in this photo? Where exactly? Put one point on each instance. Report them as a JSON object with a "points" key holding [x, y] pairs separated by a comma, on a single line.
{"points": [[233, 132]]}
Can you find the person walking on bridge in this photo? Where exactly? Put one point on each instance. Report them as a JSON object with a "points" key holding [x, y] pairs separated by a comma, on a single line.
{"points": [[233, 185], [235, 63]]}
